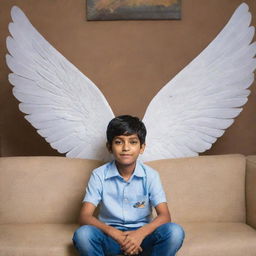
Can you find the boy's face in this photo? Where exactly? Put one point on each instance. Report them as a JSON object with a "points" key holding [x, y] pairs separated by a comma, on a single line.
{"points": [[126, 149]]}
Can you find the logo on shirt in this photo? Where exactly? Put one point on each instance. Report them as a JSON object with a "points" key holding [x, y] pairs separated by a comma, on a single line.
{"points": [[139, 204]]}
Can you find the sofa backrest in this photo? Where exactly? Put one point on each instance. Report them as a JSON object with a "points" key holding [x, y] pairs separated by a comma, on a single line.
{"points": [[42, 189], [51, 189], [204, 188]]}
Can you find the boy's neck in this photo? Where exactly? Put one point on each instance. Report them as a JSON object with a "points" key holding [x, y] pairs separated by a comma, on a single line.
{"points": [[126, 171]]}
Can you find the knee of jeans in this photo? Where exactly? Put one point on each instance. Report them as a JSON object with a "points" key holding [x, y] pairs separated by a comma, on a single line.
{"points": [[176, 231], [172, 230], [84, 233]]}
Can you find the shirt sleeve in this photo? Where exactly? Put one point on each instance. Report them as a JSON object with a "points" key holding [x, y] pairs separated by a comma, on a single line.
{"points": [[93, 193], [156, 192]]}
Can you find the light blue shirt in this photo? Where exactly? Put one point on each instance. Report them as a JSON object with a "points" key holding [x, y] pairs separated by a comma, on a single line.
{"points": [[125, 203]]}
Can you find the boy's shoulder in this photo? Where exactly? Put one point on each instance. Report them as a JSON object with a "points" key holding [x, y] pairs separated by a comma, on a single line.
{"points": [[149, 171], [101, 170]]}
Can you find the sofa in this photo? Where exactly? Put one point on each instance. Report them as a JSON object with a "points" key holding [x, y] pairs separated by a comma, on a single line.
{"points": [[212, 197]]}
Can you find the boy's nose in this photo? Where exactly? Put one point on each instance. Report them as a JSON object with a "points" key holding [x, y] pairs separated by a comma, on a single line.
{"points": [[126, 147]]}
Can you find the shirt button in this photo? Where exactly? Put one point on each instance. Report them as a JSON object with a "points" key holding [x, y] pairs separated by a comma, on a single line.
{"points": [[126, 200]]}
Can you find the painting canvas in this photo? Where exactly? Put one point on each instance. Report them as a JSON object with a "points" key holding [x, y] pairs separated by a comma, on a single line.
{"points": [[133, 9]]}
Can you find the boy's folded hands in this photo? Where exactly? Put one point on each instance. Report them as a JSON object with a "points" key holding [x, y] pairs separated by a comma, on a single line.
{"points": [[129, 241], [132, 242]]}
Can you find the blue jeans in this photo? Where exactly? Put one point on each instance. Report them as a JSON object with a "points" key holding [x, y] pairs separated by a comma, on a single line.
{"points": [[166, 240]]}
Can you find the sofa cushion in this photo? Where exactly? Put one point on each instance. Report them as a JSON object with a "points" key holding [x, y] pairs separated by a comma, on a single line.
{"points": [[204, 188], [211, 239], [37, 239], [218, 239]]}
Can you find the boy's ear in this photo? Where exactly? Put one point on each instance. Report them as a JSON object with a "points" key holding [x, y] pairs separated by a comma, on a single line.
{"points": [[142, 148], [109, 147]]}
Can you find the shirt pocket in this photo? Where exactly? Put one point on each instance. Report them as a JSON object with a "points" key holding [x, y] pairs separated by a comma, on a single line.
{"points": [[141, 207]]}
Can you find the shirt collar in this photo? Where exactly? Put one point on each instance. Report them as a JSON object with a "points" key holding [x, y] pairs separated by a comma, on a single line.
{"points": [[113, 172]]}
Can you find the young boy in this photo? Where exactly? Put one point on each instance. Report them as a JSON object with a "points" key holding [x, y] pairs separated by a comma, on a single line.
{"points": [[126, 190]]}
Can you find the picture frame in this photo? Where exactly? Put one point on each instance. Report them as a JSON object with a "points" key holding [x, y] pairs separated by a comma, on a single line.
{"points": [[133, 10]]}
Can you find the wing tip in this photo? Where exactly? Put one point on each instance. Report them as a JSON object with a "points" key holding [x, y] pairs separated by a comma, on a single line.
{"points": [[243, 6], [17, 15], [242, 11], [15, 10]]}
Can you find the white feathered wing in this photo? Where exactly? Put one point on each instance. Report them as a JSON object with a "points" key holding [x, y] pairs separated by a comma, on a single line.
{"points": [[65, 107], [184, 118], [192, 110]]}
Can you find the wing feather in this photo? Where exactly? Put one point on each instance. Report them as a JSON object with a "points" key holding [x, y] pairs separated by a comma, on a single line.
{"points": [[200, 102], [64, 105]]}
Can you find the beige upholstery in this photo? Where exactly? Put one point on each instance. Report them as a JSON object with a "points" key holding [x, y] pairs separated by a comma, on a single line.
{"points": [[42, 189], [209, 188], [37, 239], [218, 239], [40, 199], [251, 191]]}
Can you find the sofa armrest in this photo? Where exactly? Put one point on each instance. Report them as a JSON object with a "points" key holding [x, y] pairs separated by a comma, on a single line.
{"points": [[250, 192]]}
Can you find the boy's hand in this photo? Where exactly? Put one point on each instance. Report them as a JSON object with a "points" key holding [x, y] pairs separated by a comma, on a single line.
{"points": [[117, 235], [132, 242]]}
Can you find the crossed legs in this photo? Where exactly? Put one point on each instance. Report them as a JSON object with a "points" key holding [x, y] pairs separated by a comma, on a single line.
{"points": [[166, 240]]}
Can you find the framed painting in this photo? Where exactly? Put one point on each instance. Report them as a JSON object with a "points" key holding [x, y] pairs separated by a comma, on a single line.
{"points": [[133, 9]]}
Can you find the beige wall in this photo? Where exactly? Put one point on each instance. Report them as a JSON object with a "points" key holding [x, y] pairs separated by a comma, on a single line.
{"points": [[128, 60]]}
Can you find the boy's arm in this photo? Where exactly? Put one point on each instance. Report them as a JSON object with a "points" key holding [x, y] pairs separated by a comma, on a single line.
{"points": [[163, 216], [86, 218]]}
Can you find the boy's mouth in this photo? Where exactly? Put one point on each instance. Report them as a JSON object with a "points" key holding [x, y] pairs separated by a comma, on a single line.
{"points": [[125, 155]]}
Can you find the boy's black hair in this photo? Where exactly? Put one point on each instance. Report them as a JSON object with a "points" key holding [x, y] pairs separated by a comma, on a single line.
{"points": [[126, 125]]}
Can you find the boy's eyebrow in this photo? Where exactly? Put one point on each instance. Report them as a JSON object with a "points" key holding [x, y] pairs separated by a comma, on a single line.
{"points": [[133, 137]]}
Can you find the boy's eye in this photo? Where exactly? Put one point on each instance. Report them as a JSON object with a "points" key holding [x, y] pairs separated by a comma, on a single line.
{"points": [[134, 142], [117, 142]]}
